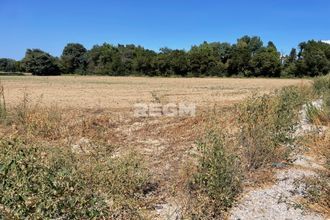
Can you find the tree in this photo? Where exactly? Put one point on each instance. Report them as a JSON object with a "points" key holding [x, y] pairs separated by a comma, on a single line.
{"points": [[289, 66], [102, 59], [207, 59], [293, 56], [266, 62], [73, 58], [239, 59], [41, 63], [313, 59], [8, 65]]}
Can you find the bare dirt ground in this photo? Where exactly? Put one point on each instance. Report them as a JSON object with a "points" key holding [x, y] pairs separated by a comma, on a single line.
{"points": [[123, 92]]}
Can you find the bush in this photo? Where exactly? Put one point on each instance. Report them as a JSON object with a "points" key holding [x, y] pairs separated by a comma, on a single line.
{"points": [[39, 182], [218, 177], [322, 84], [267, 123]]}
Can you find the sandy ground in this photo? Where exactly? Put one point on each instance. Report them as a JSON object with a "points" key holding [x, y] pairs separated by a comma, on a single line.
{"points": [[124, 92]]}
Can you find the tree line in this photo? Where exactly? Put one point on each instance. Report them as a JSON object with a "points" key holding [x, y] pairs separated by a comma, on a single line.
{"points": [[248, 57]]}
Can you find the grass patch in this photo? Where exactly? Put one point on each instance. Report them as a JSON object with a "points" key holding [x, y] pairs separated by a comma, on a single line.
{"points": [[321, 84], [318, 187]]}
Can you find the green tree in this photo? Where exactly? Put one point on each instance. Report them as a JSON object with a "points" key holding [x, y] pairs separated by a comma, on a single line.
{"points": [[313, 58], [73, 58], [102, 60], [8, 65], [41, 63], [289, 65], [266, 62]]}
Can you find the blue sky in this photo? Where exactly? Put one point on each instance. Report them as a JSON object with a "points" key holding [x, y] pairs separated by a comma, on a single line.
{"points": [[50, 25]]}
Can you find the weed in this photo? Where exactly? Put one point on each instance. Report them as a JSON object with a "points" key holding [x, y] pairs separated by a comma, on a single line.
{"points": [[39, 183], [321, 84], [52, 182], [3, 110], [218, 177], [266, 126]]}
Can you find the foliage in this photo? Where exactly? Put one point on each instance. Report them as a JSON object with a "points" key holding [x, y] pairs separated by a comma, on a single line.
{"points": [[219, 175], [247, 57], [73, 58], [322, 84], [52, 182], [320, 115], [39, 62], [313, 59], [39, 183], [267, 123], [266, 62], [41, 180], [9, 65]]}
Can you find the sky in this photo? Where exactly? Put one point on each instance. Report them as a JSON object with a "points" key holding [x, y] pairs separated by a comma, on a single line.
{"points": [[177, 24]]}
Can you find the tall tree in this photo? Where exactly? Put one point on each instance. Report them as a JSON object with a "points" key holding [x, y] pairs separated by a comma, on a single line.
{"points": [[266, 62], [41, 63], [8, 65], [313, 58], [73, 58]]}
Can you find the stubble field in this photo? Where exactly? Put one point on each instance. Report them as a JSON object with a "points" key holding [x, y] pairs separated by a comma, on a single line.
{"points": [[90, 92]]}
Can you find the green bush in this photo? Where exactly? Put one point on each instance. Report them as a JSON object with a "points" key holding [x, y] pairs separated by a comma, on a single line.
{"points": [[219, 175], [40, 183], [266, 125], [54, 183]]}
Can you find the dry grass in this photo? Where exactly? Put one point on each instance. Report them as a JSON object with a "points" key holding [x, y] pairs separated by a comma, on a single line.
{"points": [[122, 92]]}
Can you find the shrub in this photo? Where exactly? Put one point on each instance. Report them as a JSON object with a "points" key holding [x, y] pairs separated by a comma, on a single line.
{"points": [[266, 125], [218, 176], [322, 84], [39, 182]]}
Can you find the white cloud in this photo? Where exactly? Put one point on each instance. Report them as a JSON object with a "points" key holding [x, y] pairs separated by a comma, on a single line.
{"points": [[326, 41]]}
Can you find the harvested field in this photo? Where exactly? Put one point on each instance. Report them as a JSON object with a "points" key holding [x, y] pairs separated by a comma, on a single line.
{"points": [[86, 92]]}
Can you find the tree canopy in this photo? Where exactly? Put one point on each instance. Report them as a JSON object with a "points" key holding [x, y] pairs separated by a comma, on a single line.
{"points": [[248, 57]]}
